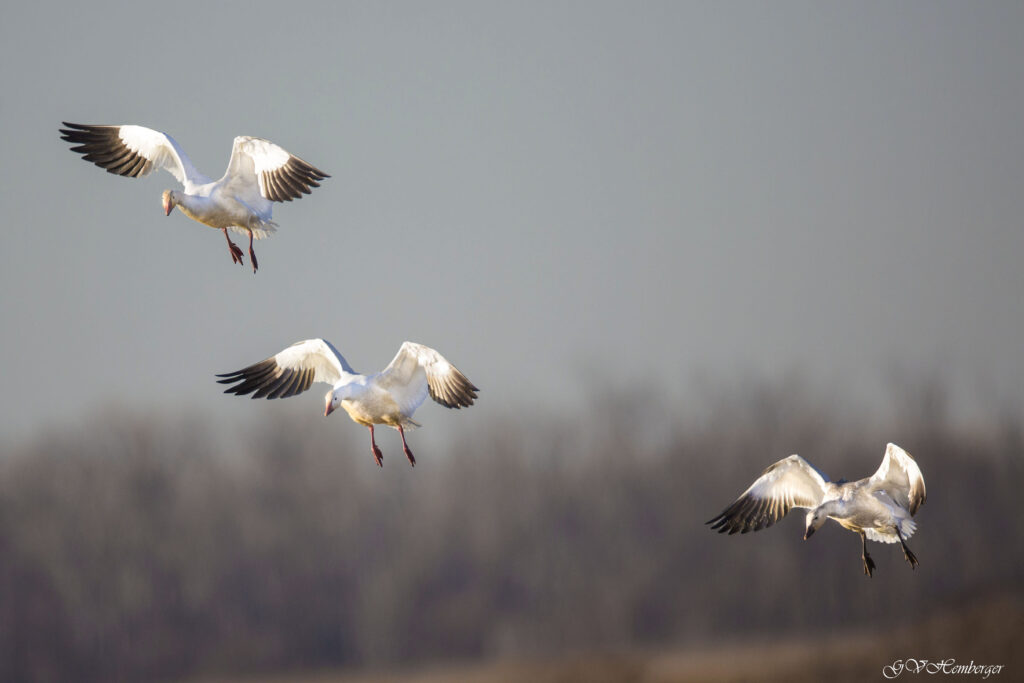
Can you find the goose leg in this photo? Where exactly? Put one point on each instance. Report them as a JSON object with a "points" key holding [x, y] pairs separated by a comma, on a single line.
{"points": [[377, 455], [869, 564], [236, 253], [252, 254], [408, 453], [911, 558]]}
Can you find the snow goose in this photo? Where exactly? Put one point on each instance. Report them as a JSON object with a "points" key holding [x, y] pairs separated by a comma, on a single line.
{"points": [[259, 173], [388, 397], [878, 507]]}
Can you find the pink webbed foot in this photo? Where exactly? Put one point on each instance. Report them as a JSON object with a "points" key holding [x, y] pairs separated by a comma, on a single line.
{"points": [[377, 455], [405, 447], [236, 252], [252, 254]]}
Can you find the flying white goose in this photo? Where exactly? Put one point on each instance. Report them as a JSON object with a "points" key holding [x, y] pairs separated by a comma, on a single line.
{"points": [[388, 397], [259, 173], [879, 507]]}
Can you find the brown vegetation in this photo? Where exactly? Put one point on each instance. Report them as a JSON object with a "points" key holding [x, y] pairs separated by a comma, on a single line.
{"points": [[141, 551], [985, 632]]}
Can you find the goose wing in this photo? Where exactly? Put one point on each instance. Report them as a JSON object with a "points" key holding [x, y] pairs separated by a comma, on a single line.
{"points": [[791, 482], [419, 370], [132, 151], [901, 478], [259, 168], [289, 372]]}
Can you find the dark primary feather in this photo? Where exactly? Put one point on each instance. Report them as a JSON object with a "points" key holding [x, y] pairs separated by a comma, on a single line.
{"points": [[292, 180], [452, 391], [102, 145], [267, 379], [749, 513]]}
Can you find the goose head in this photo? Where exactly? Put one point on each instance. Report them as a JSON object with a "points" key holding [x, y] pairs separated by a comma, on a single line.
{"points": [[170, 201], [815, 519], [331, 401]]}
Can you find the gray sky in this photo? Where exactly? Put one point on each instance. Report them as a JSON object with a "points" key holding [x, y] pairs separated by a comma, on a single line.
{"points": [[539, 190]]}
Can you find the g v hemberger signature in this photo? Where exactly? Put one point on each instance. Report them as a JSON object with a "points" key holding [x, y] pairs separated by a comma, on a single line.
{"points": [[942, 666]]}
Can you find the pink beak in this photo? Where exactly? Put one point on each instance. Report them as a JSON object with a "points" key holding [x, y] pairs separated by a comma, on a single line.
{"points": [[328, 410]]}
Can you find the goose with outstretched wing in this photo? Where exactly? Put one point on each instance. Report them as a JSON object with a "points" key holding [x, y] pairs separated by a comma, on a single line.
{"points": [[389, 397], [259, 173], [880, 507]]}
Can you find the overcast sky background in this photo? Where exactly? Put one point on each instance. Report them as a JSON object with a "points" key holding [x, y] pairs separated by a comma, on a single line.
{"points": [[541, 191]]}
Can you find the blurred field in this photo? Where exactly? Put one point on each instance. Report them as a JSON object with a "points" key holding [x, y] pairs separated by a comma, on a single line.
{"points": [[985, 631], [568, 548]]}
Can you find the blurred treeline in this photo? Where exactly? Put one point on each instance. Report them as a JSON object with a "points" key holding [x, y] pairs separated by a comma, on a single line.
{"points": [[148, 549]]}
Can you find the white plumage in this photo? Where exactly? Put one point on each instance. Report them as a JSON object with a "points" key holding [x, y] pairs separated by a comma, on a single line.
{"points": [[879, 507], [259, 173], [389, 397]]}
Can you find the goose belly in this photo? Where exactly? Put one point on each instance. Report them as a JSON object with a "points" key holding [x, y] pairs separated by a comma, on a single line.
{"points": [[374, 409], [879, 525], [217, 215]]}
